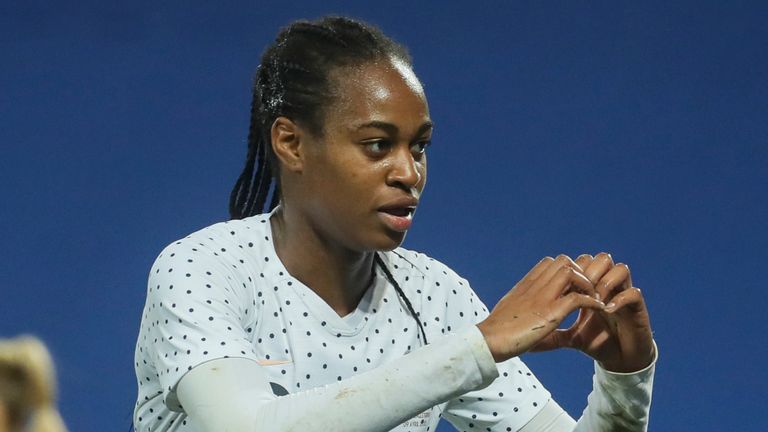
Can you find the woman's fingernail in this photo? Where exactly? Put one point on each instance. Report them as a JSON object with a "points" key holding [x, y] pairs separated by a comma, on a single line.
{"points": [[611, 305]]}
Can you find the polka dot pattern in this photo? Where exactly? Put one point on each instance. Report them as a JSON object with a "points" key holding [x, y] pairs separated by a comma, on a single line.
{"points": [[222, 292]]}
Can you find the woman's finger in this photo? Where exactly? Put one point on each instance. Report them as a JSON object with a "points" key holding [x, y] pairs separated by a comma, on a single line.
{"points": [[599, 267], [573, 301], [533, 274], [616, 280], [583, 261], [539, 268], [628, 280], [632, 298], [567, 279], [551, 271]]}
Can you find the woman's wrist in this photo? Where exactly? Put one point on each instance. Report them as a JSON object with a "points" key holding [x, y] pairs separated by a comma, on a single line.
{"points": [[633, 367]]}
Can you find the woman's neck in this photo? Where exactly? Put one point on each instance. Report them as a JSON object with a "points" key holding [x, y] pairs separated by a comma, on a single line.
{"points": [[338, 275]]}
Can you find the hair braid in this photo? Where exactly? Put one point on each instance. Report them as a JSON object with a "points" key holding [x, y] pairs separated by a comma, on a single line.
{"points": [[402, 295], [265, 181], [244, 193]]}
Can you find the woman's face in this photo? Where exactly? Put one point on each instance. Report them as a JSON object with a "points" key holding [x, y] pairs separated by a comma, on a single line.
{"points": [[362, 179]]}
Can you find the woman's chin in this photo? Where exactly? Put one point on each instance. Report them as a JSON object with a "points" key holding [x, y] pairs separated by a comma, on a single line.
{"points": [[390, 241]]}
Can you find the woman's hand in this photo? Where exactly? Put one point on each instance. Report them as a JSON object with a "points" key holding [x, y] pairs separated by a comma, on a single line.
{"points": [[535, 307], [618, 336]]}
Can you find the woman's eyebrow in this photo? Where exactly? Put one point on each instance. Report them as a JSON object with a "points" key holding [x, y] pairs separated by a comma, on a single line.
{"points": [[392, 129], [424, 128]]}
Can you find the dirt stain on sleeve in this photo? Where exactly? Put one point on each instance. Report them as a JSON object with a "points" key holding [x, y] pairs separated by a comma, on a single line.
{"points": [[345, 393]]}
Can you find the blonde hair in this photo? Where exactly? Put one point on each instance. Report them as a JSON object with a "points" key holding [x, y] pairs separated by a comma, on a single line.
{"points": [[28, 386]]}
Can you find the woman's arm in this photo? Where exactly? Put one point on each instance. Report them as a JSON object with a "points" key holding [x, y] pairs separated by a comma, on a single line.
{"points": [[219, 399], [619, 339], [234, 394], [618, 401], [517, 401]]}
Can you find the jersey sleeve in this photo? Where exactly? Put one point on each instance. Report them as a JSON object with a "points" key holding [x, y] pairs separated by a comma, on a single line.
{"points": [[619, 401], [199, 308]]}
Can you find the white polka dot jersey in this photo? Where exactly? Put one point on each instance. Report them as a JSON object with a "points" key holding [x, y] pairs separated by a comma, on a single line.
{"points": [[222, 292]]}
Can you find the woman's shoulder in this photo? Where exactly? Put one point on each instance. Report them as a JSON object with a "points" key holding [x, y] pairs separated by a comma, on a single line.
{"points": [[227, 246], [218, 261], [241, 234]]}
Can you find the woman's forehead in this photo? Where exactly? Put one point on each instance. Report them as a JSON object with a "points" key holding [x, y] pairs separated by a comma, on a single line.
{"points": [[378, 90], [408, 75]]}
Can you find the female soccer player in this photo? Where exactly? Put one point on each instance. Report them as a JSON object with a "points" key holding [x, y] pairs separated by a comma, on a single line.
{"points": [[311, 317]]}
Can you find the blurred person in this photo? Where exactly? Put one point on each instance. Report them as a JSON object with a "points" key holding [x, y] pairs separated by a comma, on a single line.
{"points": [[27, 387]]}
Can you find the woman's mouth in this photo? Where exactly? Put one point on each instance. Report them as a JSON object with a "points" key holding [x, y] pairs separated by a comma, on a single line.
{"points": [[397, 218]]}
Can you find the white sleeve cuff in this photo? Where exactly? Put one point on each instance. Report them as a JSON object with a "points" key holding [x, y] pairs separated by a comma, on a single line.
{"points": [[482, 354], [627, 379], [619, 401]]}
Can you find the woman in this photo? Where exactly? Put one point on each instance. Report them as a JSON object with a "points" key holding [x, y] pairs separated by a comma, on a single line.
{"points": [[27, 387], [311, 317]]}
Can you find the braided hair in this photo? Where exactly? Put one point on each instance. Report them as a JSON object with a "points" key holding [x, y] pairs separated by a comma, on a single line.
{"points": [[293, 80]]}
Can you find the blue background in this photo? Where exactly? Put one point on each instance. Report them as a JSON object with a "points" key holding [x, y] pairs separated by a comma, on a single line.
{"points": [[637, 128]]}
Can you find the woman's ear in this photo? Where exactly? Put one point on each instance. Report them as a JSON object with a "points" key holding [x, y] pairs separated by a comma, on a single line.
{"points": [[287, 144]]}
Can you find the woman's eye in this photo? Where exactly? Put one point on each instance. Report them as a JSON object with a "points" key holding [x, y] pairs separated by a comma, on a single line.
{"points": [[421, 146], [377, 147]]}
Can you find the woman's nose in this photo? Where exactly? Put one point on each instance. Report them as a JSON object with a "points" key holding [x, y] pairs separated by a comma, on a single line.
{"points": [[404, 170]]}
